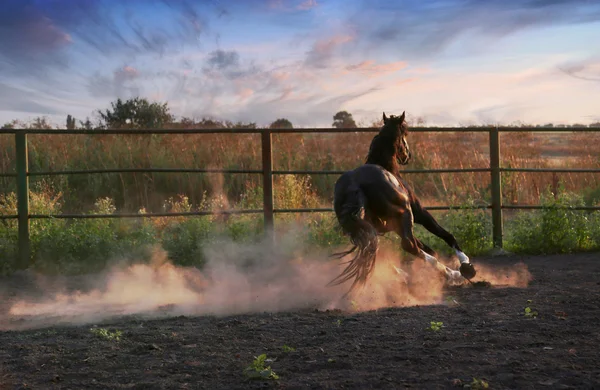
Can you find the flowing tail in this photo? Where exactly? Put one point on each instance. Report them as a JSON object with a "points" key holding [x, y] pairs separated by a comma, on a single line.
{"points": [[349, 205]]}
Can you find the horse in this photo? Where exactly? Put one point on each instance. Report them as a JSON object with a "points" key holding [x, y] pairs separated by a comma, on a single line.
{"points": [[373, 199]]}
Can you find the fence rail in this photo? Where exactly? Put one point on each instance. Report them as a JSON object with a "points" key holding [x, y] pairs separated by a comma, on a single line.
{"points": [[22, 173]]}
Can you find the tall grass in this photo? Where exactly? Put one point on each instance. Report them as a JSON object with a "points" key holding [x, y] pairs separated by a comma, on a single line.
{"points": [[87, 244]]}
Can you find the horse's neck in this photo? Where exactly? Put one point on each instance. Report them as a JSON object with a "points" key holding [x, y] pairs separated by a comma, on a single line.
{"points": [[390, 167]]}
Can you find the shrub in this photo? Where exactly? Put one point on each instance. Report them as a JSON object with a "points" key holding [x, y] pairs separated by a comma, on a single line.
{"points": [[89, 245], [552, 230], [471, 227]]}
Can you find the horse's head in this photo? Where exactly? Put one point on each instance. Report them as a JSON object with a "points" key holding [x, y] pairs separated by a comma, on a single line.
{"points": [[396, 130]]}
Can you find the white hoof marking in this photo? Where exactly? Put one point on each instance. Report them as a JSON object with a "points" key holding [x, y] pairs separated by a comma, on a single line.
{"points": [[464, 259]]}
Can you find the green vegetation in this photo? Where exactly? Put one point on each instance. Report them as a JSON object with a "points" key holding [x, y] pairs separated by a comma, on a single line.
{"points": [[107, 334], [287, 348], [529, 313], [435, 326], [258, 370], [478, 384], [63, 246]]}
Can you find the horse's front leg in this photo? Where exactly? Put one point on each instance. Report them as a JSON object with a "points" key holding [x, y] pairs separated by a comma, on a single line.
{"points": [[424, 218]]}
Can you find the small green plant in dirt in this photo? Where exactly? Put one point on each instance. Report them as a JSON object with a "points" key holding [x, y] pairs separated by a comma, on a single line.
{"points": [[435, 326], [530, 313], [477, 384], [288, 348], [107, 334], [258, 370]]}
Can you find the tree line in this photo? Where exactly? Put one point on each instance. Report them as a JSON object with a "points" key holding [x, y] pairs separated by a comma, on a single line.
{"points": [[140, 113]]}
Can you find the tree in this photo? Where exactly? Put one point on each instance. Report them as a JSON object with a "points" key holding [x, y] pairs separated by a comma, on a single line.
{"points": [[343, 119], [281, 123], [135, 113], [70, 122], [36, 123]]}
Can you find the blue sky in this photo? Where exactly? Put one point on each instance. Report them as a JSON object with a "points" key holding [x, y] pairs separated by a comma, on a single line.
{"points": [[450, 62]]}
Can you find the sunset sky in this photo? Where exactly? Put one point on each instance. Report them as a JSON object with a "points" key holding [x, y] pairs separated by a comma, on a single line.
{"points": [[452, 62]]}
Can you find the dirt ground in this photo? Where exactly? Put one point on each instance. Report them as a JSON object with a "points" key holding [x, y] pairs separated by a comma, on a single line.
{"points": [[485, 335]]}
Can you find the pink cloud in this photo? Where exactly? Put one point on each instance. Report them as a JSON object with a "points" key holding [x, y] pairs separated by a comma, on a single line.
{"points": [[371, 69], [40, 31], [245, 93], [304, 5], [308, 4], [328, 44], [126, 73]]}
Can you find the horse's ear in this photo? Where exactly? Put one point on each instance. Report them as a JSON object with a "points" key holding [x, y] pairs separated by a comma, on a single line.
{"points": [[402, 116], [384, 118]]}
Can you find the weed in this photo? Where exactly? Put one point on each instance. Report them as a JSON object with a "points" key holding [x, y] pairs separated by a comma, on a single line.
{"points": [[106, 334], [478, 384], [435, 326], [530, 313], [258, 370], [288, 349]]}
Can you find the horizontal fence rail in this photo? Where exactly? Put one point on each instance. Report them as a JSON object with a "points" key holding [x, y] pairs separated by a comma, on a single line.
{"points": [[22, 173]]}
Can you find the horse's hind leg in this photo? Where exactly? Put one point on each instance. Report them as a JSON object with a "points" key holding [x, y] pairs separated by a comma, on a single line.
{"points": [[423, 217], [411, 245]]}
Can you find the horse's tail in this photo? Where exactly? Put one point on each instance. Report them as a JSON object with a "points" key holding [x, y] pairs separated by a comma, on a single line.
{"points": [[349, 206]]}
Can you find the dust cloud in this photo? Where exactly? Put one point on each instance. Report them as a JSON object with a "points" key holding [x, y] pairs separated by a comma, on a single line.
{"points": [[237, 279]]}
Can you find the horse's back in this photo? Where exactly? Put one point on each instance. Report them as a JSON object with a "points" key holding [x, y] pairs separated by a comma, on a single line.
{"points": [[379, 188], [370, 175]]}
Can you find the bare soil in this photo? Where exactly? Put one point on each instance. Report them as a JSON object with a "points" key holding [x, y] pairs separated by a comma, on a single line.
{"points": [[485, 335]]}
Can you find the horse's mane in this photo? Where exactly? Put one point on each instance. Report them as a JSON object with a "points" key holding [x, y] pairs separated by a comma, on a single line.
{"points": [[386, 143]]}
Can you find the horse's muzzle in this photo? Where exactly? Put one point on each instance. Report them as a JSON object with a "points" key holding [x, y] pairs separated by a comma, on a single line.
{"points": [[405, 160]]}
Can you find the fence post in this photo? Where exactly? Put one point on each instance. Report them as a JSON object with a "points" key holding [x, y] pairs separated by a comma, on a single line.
{"points": [[496, 187], [22, 198], [267, 166]]}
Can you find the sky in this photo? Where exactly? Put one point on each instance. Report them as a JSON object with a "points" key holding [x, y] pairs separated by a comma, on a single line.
{"points": [[450, 62]]}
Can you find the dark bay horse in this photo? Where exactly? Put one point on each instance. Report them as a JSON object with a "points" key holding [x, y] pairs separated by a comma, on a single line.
{"points": [[373, 199]]}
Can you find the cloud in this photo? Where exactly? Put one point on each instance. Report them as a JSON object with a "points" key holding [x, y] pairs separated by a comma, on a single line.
{"points": [[291, 5], [222, 59], [588, 69], [370, 68], [422, 29], [40, 34], [304, 64], [23, 100], [323, 50], [307, 4]]}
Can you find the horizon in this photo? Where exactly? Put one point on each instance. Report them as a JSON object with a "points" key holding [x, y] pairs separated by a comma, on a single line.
{"points": [[450, 62]]}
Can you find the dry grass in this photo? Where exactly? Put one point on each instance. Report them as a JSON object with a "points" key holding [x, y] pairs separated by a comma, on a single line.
{"points": [[294, 151]]}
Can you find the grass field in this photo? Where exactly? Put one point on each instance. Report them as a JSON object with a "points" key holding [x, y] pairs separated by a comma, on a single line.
{"points": [[84, 245]]}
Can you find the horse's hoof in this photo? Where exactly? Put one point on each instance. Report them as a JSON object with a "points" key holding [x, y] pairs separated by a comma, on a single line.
{"points": [[467, 271]]}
